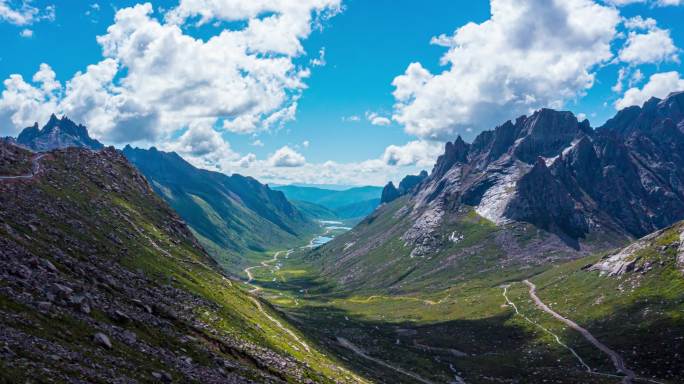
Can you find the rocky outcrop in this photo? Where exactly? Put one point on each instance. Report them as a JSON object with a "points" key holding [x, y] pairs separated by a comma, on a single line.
{"points": [[56, 134], [407, 185], [643, 254], [389, 193], [542, 200]]}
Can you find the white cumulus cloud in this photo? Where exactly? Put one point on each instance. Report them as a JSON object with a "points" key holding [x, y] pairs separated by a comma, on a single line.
{"points": [[654, 46], [24, 13], [156, 80], [377, 119], [529, 54], [418, 152], [659, 85], [287, 157]]}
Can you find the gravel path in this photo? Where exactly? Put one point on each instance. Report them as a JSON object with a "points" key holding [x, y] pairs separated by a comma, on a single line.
{"points": [[618, 361], [34, 170]]}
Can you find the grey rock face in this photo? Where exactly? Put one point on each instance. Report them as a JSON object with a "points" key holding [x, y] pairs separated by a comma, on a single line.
{"points": [[407, 185], [389, 193], [57, 134], [543, 200], [556, 173]]}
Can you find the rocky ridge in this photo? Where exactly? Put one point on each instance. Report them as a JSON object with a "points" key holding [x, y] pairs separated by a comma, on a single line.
{"points": [[56, 134], [101, 282], [539, 189], [407, 185]]}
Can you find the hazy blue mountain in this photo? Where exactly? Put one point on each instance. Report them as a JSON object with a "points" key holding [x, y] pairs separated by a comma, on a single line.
{"points": [[350, 203]]}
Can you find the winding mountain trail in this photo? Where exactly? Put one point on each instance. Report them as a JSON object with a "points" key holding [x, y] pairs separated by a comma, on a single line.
{"points": [[424, 301], [267, 264], [360, 352], [35, 170], [280, 325], [617, 360], [263, 264], [555, 336]]}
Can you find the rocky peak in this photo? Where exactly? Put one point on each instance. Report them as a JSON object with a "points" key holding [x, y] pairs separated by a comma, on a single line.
{"points": [[543, 200], [389, 193], [546, 133], [57, 134], [649, 117], [454, 153], [410, 182], [408, 185]]}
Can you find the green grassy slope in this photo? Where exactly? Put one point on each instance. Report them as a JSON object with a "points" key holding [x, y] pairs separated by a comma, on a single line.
{"points": [[89, 248], [468, 329], [315, 211], [236, 218], [374, 256]]}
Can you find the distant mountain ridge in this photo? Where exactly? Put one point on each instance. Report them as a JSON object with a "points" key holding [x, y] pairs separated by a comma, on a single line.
{"points": [[231, 215], [352, 203], [56, 134], [407, 185], [543, 188]]}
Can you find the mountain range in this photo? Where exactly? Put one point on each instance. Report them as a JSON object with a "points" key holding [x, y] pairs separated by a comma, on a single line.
{"points": [[352, 204], [56, 134], [232, 216], [102, 282], [543, 188], [543, 251]]}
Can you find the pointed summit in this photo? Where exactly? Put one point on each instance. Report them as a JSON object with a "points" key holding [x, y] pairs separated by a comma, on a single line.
{"points": [[389, 193], [57, 133], [454, 153]]}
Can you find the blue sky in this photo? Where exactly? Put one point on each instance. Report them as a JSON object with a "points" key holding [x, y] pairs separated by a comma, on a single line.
{"points": [[297, 115]]}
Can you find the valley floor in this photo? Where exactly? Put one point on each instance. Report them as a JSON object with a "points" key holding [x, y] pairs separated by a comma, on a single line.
{"points": [[564, 325]]}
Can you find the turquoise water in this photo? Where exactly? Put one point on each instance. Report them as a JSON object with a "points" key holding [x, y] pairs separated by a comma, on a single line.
{"points": [[320, 240]]}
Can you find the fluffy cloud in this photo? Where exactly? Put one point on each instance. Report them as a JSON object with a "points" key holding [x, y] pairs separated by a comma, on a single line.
{"points": [[24, 14], [418, 152], [659, 85], [639, 22], [286, 157], [529, 54], [286, 166], [368, 172], [377, 119], [156, 80], [654, 46], [22, 103]]}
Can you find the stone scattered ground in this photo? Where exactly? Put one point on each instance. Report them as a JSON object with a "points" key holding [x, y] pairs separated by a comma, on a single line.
{"points": [[100, 282]]}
